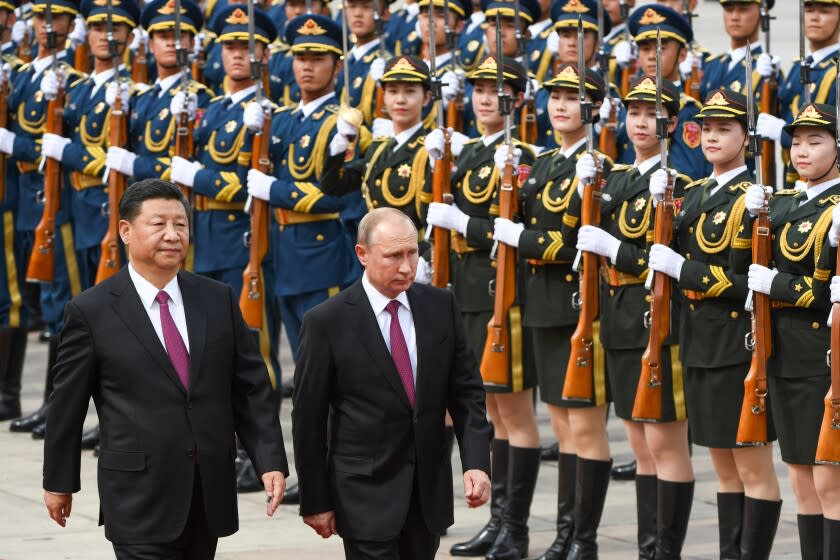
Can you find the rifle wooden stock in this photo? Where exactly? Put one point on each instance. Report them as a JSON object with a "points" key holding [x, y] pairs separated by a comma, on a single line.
{"points": [[140, 69], [184, 144], [769, 89], [495, 360], [752, 425], [441, 192], [110, 260], [528, 122], [692, 84], [41, 266], [626, 76], [81, 58], [379, 109], [4, 118], [828, 445], [252, 297], [606, 141], [197, 67], [647, 406], [455, 115], [579, 382]]}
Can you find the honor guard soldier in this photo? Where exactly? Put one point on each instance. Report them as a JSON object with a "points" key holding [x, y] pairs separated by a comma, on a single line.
{"points": [[822, 31], [803, 249], [21, 140], [402, 33], [685, 154], [310, 249], [471, 47], [476, 191], [539, 55], [154, 112], [713, 323], [742, 22], [277, 12]]}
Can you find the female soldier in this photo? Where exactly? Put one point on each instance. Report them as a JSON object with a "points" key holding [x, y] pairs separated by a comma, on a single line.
{"points": [[516, 447], [661, 448], [713, 324], [796, 282], [580, 427]]}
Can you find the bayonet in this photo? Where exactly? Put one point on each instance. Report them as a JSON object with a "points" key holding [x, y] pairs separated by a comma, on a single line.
{"points": [[804, 65], [379, 28]]}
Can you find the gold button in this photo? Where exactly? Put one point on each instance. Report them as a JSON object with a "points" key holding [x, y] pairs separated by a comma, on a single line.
{"points": [[222, 143], [815, 325], [691, 229], [377, 182], [231, 218], [713, 235], [569, 278], [691, 306], [294, 194], [734, 314], [612, 292], [648, 298], [157, 167], [795, 244], [282, 162], [533, 220], [300, 159], [218, 182], [105, 190], [688, 256], [773, 237], [157, 131], [493, 264], [539, 196], [375, 203], [95, 125], [612, 216], [319, 237]]}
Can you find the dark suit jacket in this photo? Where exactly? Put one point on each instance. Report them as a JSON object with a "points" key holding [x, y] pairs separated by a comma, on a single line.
{"points": [[150, 427], [359, 447]]}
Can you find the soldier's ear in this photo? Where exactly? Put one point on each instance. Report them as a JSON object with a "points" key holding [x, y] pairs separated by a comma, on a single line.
{"points": [[427, 97], [457, 24], [672, 124], [519, 99], [683, 53]]}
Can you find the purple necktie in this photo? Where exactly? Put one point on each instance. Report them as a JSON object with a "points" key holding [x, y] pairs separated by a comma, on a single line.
{"points": [[399, 352], [175, 346]]}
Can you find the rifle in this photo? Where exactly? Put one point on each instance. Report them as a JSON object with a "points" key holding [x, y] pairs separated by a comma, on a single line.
{"points": [[528, 112], [495, 360], [4, 118], [692, 84], [648, 404], [632, 68], [828, 444], [41, 266], [252, 296], [769, 90], [199, 62], [81, 58], [25, 48], [110, 260], [348, 113], [752, 425], [139, 68], [804, 65], [579, 382], [442, 173], [379, 25], [606, 140], [184, 129], [455, 109]]}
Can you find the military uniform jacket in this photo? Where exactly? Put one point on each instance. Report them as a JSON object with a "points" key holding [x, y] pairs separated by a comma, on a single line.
{"points": [[800, 291], [10, 195], [401, 35], [475, 189], [471, 47], [317, 254], [28, 119], [151, 129], [362, 90], [706, 228], [223, 147], [716, 74], [540, 59]]}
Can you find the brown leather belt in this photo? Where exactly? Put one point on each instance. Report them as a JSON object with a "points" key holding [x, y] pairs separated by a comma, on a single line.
{"points": [[780, 304], [615, 277], [460, 245], [26, 166], [288, 217], [694, 296], [540, 262], [81, 181], [205, 203]]}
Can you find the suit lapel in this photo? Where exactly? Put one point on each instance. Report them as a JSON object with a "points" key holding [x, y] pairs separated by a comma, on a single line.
{"points": [[196, 316], [126, 303]]}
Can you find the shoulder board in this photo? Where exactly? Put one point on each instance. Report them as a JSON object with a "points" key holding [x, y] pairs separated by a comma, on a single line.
{"points": [[743, 185], [833, 200], [786, 192], [696, 183], [195, 87], [720, 57], [686, 100], [13, 60], [607, 160], [471, 141], [24, 67], [280, 108], [140, 89], [524, 146], [218, 97], [332, 108], [684, 178], [548, 153], [382, 138], [622, 167], [546, 32]]}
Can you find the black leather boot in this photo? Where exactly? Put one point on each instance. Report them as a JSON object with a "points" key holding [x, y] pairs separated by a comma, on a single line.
{"points": [[810, 536], [761, 518], [90, 438], [831, 538], [566, 475], [627, 471], [593, 479], [730, 508], [512, 541], [481, 542], [12, 351], [672, 514], [39, 417], [646, 504]]}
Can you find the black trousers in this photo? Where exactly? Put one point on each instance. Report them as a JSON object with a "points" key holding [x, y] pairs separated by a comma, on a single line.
{"points": [[194, 542], [415, 541]]}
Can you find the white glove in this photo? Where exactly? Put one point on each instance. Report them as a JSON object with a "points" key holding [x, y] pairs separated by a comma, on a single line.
{"points": [[79, 34], [176, 106], [760, 278], [585, 171], [52, 145], [666, 260], [593, 239], [18, 31], [769, 127], [377, 68], [768, 65], [434, 144], [253, 117], [604, 111], [835, 289], [339, 145], [447, 216], [111, 93], [500, 157], [50, 84], [140, 35], [120, 159], [198, 45], [623, 53], [423, 275], [184, 171], [7, 141], [687, 65], [507, 232], [833, 232], [552, 43], [5, 71], [449, 87], [658, 184], [754, 199], [259, 184], [382, 127], [346, 129]]}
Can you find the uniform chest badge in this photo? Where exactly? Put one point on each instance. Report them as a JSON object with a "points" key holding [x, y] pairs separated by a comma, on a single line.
{"points": [[639, 204], [472, 45], [535, 55], [805, 227], [39, 96], [99, 107], [565, 184], [230, 126], [404, 171], [484, 172], [357, 82], [606, 197], [163, 113], [305, 140], [736, 85], [719, 218], [691, 134]]}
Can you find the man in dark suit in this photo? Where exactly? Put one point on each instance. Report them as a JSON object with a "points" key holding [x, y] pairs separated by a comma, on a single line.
{"points": [[378, 366], [175, 375]]}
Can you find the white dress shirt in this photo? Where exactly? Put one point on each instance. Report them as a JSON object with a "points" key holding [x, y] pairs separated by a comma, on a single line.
{"points": [[378, 302], [813, 192], [148, 292], [405, 135], [725, 178], [647, 165], [309, 108], [167, 83]]}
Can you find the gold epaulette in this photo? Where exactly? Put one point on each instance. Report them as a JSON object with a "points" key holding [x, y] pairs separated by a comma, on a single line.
{"points": [[621, 167], [832, 199], [214, 99], [743, 185], [787, 192], [524, 146], [196, 87], [683, 177], [471, 141], [698, 182], [24, 67], [548, 153], [686, 99]]}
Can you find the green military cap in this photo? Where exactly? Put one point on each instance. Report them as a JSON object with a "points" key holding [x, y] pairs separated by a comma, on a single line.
{"points": [[567, 78], [724, 104], [819, 115], [406, 69], [513, 73], [644, 89]]}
